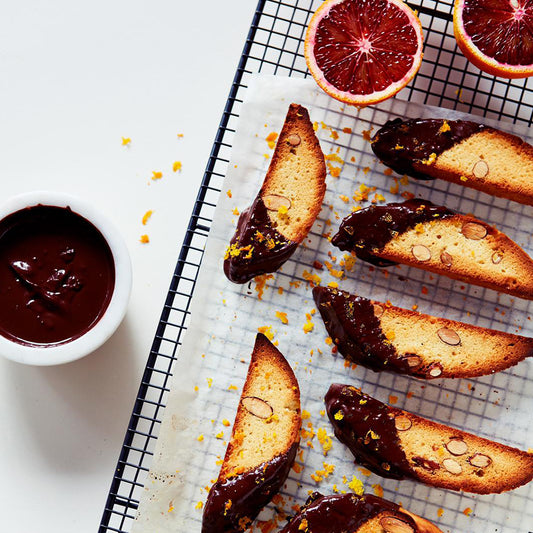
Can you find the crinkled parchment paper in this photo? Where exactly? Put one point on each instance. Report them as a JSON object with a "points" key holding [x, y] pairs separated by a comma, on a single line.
{"points": [[212, 363]]}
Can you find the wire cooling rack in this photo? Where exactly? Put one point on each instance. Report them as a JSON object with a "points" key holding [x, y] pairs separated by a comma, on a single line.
{"points": [[275, 46]]}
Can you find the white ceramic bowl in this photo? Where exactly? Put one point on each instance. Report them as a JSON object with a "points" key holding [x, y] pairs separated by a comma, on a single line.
{"points": [[55, 354]]}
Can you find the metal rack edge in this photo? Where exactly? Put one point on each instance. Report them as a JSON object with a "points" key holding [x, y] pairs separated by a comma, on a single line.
{"points": [[192, 228]]}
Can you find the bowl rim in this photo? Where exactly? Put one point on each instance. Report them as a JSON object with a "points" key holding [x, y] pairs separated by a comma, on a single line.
{"points": [[100, 332]]}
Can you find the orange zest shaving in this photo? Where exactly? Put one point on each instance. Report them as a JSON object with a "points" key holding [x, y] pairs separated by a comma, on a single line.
{"points": [[356, 486], [271, 139], [266, 331], [282, 316], [378, 490], [366, 134], [320, 475], [146, 217], [260, 284]]}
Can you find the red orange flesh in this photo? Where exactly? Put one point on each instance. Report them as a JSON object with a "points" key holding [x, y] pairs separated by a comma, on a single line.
{"points": [[496, 35], [363, 51]]}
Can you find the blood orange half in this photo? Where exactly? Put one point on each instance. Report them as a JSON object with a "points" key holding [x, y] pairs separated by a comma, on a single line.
{"points": [[496, 35], [363, 51]]}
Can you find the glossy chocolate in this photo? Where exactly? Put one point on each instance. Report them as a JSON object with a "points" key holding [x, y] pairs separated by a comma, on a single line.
{"points": [[407, 146], [367, 427], [256, 248], [57, 275], [342, 513], [234, 503], [367, 231], [352, 323]]}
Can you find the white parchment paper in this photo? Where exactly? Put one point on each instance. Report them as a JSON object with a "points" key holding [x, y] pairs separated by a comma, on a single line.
{"points": [[225, 318]]}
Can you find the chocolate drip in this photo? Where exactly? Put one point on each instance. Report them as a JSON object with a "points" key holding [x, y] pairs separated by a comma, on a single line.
{"points": [[356, 330], [367, 231], [256, 248], [407, 146], [234, 503], [367, 427], [339, 513]]}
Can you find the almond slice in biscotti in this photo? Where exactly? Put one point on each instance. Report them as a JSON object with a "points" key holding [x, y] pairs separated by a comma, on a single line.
{"points": [[383, 337], [263, 443], [401, 445], [269, 231], [350, 513], [460, 151], [420, 234]]}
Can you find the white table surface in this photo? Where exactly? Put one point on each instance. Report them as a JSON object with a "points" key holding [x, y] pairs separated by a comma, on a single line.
{"points": [[74, 79]]}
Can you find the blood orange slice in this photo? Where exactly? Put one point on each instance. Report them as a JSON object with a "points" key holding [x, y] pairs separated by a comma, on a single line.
{"points": [[496, 35], [363, 51]]}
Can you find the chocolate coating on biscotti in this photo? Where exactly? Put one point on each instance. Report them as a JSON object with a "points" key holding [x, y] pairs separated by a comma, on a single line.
{"points": [[367, 231], [381, 336], [395, 443], [257, 247], [233, 503], [367, 427], [355, 329], [339, 513], [401, 143]]}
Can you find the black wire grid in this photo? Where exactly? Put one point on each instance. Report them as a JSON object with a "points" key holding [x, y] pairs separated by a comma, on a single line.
{"points": [[275, 46]]}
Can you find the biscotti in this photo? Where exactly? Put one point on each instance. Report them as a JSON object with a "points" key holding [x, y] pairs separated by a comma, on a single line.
{"points": [[463, 152], [401, 445], [350, 513], [383, 337], [263, 443], [435, 238], [287, 205]]}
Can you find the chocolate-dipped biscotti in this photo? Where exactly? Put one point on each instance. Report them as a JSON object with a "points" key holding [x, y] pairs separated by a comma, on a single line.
{"points": [[263, 443], [420, 234], [401, 445], [383, 337], [463, 152], [269, 231], [349, 513]]}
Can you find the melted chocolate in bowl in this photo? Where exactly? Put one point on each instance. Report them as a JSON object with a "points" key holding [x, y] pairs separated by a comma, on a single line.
{"points": [[57, 275]]}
